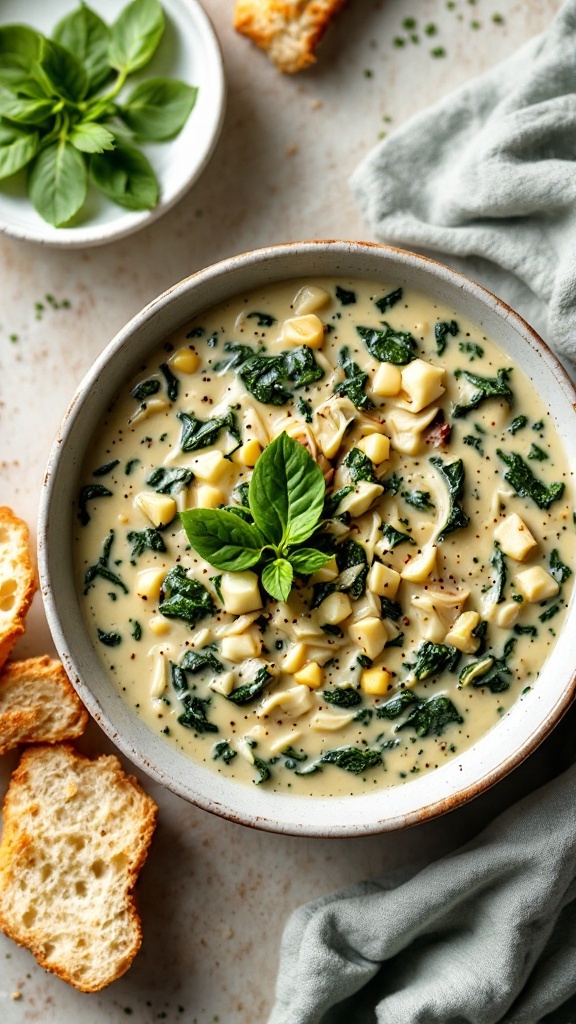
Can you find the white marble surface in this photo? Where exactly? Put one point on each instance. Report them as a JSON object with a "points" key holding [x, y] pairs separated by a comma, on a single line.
{"points": [[214, 896]]}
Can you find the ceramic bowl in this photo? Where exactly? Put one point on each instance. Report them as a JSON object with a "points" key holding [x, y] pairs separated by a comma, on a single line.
{"points": [[490, 759], [189, 51]]}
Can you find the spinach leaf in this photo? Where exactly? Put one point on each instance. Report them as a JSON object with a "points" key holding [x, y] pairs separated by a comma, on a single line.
{"points": [[145, 388], [353, 386], [304, 408], [349, 555], [549, 613], [441, 332], [498, 562], [172, 384], [223, 538], [389, 300], [157, 109], [389, 345], [474, 442], [235, 356], [360, 467], [106, 468], [390, 609], [136, 629], [263, 770], [248, 692], [419, 500], [431, 659], [453, 474], [184, 598], [394, 537], [537, 453], [102, 568], [485, 387], [240, 494], [521, 478], [300, 366], [109, 639], [558, 569], [352, 759], [135, 35], [286, 492], [394, 708], [224, 751], [397, 641], [88, 493], [471, 349], [125, 176], [203, 433], [264, 319], [432, 716], [169, 481], [198, 661], [490, 670], [194, 715], [342, 697], [517, 424], [58, 183], [142, 540], [525, 630], [393, 483], [345, 297], [262, 376]]}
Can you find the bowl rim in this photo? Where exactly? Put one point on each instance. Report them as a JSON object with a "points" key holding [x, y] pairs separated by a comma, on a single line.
{"points": [[435, 807], [127, 222]]}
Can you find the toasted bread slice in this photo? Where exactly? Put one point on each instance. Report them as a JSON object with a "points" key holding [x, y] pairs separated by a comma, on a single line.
{"points": [[76, 833], [38, 704], [289, 30], [17, 582]]}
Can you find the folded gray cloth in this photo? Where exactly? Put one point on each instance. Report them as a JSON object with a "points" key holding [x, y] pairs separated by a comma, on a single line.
{"points": [[488, 178], [488, 934], [484, 936]]}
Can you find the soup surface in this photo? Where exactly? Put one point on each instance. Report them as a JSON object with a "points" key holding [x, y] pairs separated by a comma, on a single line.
{"points": [[441, 575]]}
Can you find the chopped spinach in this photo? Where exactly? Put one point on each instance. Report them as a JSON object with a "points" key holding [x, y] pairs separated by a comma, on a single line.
{"points": [[142, 540], [240, 494], [359, 466], [344, 296], [224, 751], [517, 424], [194, 715], [389, 300], [441, 331], [528, 630], [333, 500], [130, 465], [558, 569], [169, 481], [394, 537], [198, 661], [332, 630], [300, 367], [342, 697], [393, 708], [499, 564], [264, 319], [471, 349], [475, 442], [352, 759], [390, 609], [522, 479], [453, 474], [88, 493], [393, 484], [263, 375], [102, 568], [109, 639], [304, 408], [485, 387], [537, 453], [549, 613], [397, 641], [136, 629], [431, 659], [490, 670], [418, 499], [106, 468], [203, 433], [216, 581], [184, 598], [432, 716], [348, 556], [353, 386], [389, 345], [263, 770], [172, 384], [145, 389], [250, 691], [235, 356]]}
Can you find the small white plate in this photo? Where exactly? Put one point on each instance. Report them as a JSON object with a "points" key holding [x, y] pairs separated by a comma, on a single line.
{"points": [[189, 51]]}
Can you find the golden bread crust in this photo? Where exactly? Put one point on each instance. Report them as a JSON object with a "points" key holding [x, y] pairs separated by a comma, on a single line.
{"points": [[17, 580], [38, 704], [288, 30]]}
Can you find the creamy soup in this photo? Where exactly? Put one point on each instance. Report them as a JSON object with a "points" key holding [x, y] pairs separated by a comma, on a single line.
{"points": [[440, 515]]}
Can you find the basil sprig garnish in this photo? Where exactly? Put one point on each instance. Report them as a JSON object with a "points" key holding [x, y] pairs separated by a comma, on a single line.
{"points": [[63, 114], [286, 498]]}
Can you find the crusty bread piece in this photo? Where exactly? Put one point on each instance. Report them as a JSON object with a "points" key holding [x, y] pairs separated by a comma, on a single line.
{"points": [[289, 30], [76, 833], [38, 704], [17, 582]]}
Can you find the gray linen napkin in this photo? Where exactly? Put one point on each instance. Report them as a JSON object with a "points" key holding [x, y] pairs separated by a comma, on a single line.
{"points": [[487, 177], [488, 934]]}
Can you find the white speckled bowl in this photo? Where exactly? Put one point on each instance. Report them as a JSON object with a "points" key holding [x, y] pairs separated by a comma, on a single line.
{"points": [[188, 50], [489, 760]]}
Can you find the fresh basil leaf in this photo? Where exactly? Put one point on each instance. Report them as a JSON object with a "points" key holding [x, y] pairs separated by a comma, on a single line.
{"points": [[20, 48], [126, 177], [222, 538], [286, 492], [389, 345], [277, 579], [25, 111], [135, 35], [57, 183], [308, 560], [62, 71], [156, 110], [90, 137], [86, 35], [17, 148]]}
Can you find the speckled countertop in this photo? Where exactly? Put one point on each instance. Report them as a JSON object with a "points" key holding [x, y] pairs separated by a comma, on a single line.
{"points": [[214, 896]]}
